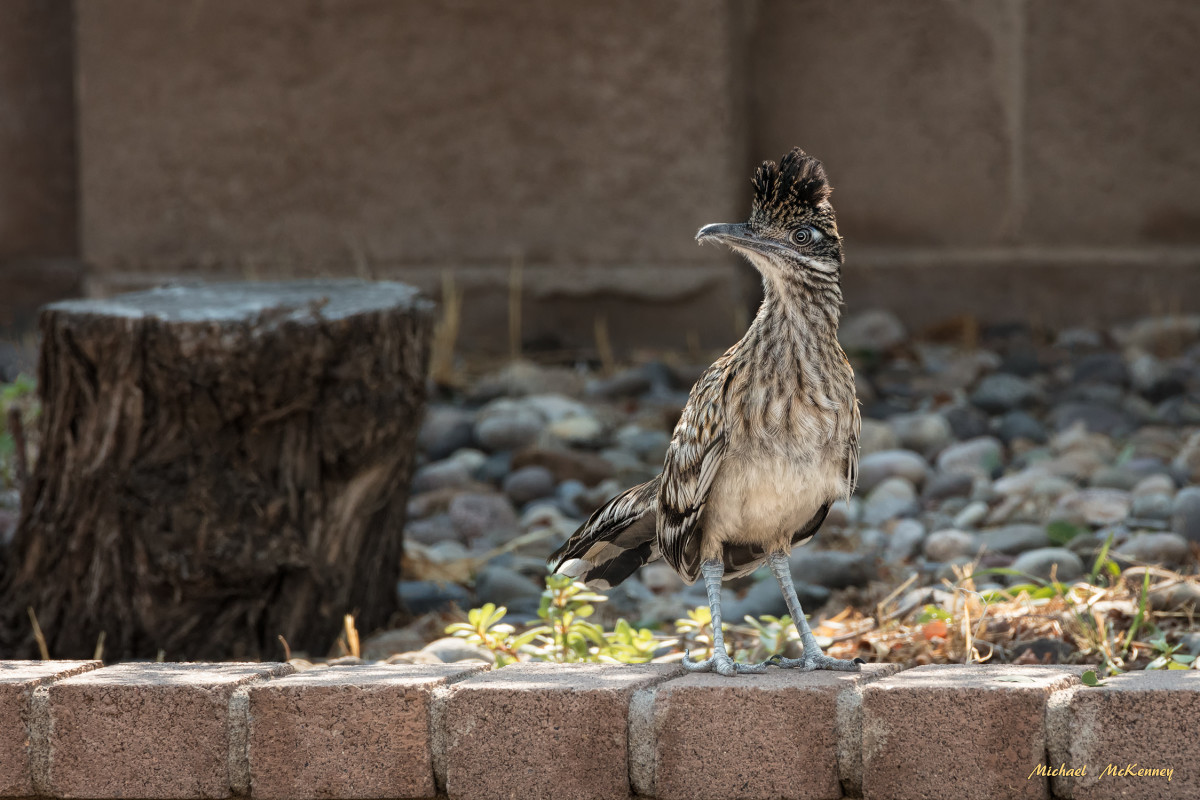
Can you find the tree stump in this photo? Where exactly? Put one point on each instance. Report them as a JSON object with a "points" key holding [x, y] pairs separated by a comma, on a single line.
{"points": [[220, 465]]}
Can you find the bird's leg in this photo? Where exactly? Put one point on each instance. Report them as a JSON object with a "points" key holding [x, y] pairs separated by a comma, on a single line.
{"points": [[719, 661], [813, 658]]}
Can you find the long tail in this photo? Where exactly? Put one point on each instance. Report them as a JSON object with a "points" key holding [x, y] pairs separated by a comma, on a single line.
{"points": [[615, 541]]}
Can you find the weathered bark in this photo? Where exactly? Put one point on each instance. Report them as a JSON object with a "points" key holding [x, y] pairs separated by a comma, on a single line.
{"points": [[220, 465]]}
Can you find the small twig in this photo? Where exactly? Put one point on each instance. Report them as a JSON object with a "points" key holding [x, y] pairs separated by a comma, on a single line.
{"points": [[21, 454], [98, 653], [287, 651], [37, 634]]}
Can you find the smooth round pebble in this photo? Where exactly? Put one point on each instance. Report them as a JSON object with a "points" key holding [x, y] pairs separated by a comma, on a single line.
{"points": [[874, 468], [983, 455], [1168, 549], [948, 545], [529, 483], [1185, 513], [905, 541], [1041, 562]]}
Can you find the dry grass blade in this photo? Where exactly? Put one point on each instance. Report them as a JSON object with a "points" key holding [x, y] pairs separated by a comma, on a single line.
{"points": [[37, 635], [445, 333]]}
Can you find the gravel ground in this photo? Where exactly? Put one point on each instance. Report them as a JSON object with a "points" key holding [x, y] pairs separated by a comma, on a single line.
{"points": [[1000, 448]]}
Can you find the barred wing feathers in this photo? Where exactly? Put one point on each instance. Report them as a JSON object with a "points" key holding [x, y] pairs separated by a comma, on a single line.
{"points": [[693, 460], [617, 539]]}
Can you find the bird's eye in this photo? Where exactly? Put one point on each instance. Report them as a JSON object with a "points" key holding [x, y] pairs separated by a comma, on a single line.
{"points": [[806, 236]]}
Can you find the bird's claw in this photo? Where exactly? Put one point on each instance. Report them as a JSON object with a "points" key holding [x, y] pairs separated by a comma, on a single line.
{"points": [[722, 664], [808, 663]]}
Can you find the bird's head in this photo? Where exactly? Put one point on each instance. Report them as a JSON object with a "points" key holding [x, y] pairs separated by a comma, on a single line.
{"points": [[792, 231]]}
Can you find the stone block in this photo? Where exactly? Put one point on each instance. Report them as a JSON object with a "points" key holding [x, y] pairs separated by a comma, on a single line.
{"points": [[146, 731], [959, 731], [911, 106], [1111, 116], [345, 732], [18, 680], [1128, 733], [544, 730], [775, 735]]}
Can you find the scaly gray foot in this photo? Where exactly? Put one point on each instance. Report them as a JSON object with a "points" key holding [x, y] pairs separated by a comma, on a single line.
{"points": [[809, 663], [721, 664]]}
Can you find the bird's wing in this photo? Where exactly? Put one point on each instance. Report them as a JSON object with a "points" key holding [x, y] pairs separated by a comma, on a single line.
{"points": [[617, 539], [693, 460], [852, 450]]}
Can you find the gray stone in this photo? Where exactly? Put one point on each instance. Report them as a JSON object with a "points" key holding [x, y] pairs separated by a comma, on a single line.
{"points": [[907, 536], [1114, 477], [875, 467], [1021, 425], [449, 473], [1041, 562], [973, 514], [508, 425], [629, 599], [950, 544], [1096, 506], [505, 587], [832, 569], [944, 485], [1155, 484], [966, 421], [765, 597], [876, 437], [421, 597], [444, 430], [1185, 514], [1101, 368], [477, 515], [648, 445], [1152, 506], [873, 330], [524, 378], [1187, 460], [980, 456], [529, 483], [451, 649], [1003, 392], [1169, 334], [891, 498], [1168, 549], [923, 432], [435, 529], [1014, 539], [1095, 417], [579, 430]]}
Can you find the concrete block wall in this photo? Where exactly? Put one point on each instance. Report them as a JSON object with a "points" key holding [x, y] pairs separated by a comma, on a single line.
{"points": [[80, 730], [996, 157]]}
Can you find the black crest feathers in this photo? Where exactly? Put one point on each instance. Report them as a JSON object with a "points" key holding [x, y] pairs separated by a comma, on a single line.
{"points": [[798, 180]]}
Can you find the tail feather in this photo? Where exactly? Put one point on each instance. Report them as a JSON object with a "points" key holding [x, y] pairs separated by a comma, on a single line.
{"points": [[620, 537]]}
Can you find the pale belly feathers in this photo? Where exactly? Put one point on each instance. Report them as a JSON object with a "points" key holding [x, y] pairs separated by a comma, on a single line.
{"points": [[766, 499]]}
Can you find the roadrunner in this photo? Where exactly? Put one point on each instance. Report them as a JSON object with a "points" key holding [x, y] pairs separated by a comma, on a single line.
{"points": [[769, 436]]}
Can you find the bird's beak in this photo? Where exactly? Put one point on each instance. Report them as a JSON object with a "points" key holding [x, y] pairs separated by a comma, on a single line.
{"points": [[736, 235]]}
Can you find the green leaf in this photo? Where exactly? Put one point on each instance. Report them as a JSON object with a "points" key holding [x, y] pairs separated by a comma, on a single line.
{"points": [[1061, 532], [1089, 678], [932, 612]]}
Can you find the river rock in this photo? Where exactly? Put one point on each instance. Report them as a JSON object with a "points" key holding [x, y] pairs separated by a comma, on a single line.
{"points": [[1041, 562]]}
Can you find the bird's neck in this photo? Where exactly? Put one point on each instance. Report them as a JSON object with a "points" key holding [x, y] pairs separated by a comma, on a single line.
{"points": [[791, 348], [797, 312]]}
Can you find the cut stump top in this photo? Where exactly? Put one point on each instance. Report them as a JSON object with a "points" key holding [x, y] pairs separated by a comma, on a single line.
{"points": [[243, 302]]}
